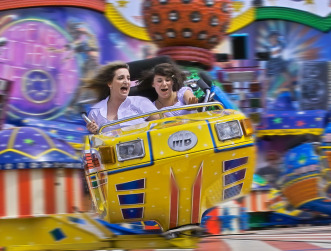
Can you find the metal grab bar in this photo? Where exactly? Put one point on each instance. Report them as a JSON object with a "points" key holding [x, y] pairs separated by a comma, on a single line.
{"points": [[207, 95], [161, 112]]}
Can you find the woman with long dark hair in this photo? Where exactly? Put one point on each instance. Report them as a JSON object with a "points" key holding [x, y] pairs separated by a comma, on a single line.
{"points": [[112, 86]]}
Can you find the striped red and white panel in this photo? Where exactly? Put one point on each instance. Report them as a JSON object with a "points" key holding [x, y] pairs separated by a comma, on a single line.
{"points": [[32, 192], [256, 201]]}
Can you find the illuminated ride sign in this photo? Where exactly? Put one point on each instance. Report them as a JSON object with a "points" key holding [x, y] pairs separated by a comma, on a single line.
{"points": [[37, 58]]}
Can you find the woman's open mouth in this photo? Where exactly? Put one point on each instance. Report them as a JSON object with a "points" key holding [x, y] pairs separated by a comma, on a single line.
{"points": [[124, 88], [164, 90]]}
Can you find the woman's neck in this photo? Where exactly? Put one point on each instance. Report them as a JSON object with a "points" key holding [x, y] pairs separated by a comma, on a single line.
{"points": [[169, 101], [115, 101], [112, 107]]}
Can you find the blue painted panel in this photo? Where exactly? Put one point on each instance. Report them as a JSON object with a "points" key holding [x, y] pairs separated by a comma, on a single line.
{"points": [[130, 199], [57, 234], [232, 191], [233, 177], [135, 184], [132, 213], [230, 164]]}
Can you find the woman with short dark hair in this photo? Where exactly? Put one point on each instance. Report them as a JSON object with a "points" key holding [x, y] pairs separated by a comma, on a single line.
{"points": [[168, 82]]}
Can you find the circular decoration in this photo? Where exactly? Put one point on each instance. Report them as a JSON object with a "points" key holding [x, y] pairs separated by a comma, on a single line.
{"points": [[209, 2], [225, 8], [158, 36], [34, 92], [187, 33], [211, 15], [202, 35], [214, 21], [155, 18], [38, 86], [195, 16], [171, 33], [182, 141], [213, 39], [173, 16]]}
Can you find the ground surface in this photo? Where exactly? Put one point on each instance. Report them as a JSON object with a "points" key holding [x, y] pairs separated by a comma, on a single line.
{"points": [[309, 238]]}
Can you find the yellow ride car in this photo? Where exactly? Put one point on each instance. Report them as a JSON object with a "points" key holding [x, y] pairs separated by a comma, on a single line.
{"points": [[173, 169]]}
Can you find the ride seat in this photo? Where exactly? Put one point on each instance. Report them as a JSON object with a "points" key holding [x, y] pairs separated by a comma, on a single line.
{"points": [[147, 93]]}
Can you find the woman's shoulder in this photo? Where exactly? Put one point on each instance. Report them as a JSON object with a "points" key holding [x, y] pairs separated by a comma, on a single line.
{"points": [[181, 92], [184, 89], [142, 104], [138, 99], [100, 104]]}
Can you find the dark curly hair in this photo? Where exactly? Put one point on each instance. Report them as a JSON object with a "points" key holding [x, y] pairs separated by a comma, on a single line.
{"points": [[166, 70], [106, 74]]}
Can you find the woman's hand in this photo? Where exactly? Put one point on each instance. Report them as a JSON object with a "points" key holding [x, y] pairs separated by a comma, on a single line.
{"points": [[192, 100], [189, 98], [153, 117], [92, 127]]}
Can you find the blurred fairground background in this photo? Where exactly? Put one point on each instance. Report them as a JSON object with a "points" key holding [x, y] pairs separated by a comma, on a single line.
{"points": [[271, 57]]}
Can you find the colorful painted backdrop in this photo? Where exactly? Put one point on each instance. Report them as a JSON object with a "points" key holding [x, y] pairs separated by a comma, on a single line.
{"points": [[48, 51]]}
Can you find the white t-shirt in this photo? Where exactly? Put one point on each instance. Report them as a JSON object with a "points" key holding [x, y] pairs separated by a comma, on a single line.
{"points": [[132, 105]]}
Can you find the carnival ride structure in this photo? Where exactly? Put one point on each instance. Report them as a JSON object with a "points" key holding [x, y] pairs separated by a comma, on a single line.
{"points": [[170, 170]]}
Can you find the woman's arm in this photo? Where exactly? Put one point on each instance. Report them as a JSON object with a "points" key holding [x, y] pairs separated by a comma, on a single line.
{"points": [[153, 117], [189, 98], [145, 105]]}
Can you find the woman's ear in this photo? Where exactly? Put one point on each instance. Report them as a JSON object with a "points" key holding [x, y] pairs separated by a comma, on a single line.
{"points": [[109, 85]]}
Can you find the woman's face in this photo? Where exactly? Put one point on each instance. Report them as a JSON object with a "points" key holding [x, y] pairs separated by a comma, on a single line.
{"points": [[120, 85], [163, 86]]}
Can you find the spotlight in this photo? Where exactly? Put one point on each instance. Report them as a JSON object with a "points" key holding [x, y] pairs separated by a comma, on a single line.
{"points": [[3, 41], [222, 57], [262, 56], [257, 3]]}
